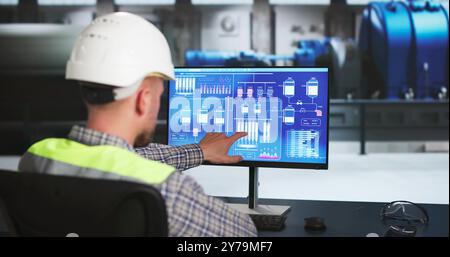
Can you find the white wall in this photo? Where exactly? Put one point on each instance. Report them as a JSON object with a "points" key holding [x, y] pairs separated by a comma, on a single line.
{"points": [[420, 178], [288, 16], [213, 37], [376, 177]]}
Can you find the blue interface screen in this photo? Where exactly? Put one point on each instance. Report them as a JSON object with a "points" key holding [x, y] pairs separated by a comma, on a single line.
{"points": [[283, 110]]}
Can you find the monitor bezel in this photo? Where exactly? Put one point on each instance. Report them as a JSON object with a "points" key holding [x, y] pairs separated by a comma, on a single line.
{"points": [[263, 164]]}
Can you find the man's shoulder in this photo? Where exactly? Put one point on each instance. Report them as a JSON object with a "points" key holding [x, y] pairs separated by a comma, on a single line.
{"points": [[180, 184]]}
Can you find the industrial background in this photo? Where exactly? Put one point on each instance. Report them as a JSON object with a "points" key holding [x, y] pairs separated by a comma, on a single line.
{"points": [[389, 90]]}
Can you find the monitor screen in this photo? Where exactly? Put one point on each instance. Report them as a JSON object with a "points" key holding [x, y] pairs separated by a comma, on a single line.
{"points": [[283, 110]]}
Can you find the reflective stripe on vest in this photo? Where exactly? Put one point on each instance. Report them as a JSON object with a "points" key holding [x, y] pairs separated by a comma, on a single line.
{"points": [[104, 158]]}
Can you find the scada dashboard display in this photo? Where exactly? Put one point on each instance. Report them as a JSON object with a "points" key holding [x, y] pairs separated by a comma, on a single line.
{"points": [[283, 110]]}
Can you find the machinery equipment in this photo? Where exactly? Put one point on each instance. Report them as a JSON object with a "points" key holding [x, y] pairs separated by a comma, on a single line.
{"points": [[195, 58], [310, 52], [404, 47], [341, 55]]}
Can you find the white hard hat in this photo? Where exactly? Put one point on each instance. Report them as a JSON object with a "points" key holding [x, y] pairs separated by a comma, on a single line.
{"points": [[120, 49]]}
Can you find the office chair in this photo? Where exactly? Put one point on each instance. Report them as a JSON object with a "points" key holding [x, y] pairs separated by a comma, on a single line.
{"points": [[49, 205]]}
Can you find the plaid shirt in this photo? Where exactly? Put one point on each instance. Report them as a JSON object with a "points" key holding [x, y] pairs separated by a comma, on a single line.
{"points": [[190, 211]]}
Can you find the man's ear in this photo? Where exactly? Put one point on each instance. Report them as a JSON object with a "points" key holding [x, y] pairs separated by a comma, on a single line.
{"points": [[142, 100]]}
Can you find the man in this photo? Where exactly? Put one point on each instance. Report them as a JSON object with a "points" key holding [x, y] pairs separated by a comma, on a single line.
{"points": [[121, 61]]}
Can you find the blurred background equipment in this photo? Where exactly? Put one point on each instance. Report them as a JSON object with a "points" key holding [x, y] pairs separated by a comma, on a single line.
{"points": [[339, 54], [226, 59], [35, 99], [388, 61], [405, 49]]}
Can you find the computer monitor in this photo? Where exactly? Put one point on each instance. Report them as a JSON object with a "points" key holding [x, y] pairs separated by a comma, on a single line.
{"points": [[283, 110]]}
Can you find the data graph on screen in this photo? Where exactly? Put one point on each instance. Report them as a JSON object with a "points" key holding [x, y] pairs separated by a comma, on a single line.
{"points": [[283, 110]]}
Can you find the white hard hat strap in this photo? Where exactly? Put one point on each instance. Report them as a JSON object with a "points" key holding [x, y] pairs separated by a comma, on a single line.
{"points": [[124, 92]]}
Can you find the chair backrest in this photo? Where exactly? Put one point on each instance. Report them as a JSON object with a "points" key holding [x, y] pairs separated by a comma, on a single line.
{"points": [[50, 205]]}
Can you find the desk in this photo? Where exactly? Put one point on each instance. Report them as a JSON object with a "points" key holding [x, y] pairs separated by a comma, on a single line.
{"points": [[348, 219]]}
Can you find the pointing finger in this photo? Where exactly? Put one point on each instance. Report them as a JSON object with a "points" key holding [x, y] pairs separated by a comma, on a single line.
{"points": [[233, 138]]}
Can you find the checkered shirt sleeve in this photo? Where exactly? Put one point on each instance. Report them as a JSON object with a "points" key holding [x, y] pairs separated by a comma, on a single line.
{"points": [[193, 213], [181, 157]]}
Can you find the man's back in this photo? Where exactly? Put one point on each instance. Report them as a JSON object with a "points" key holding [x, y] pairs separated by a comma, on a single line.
{"points": [[120, 62], [190, 211]]}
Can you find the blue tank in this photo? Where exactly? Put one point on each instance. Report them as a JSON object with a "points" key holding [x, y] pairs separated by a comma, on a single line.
{"points": [[309, 50], [404, 47], [207, 58], [194, 58]]}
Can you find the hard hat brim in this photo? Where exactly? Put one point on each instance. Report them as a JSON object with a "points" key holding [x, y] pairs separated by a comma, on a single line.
{"points": [[124, 77]]}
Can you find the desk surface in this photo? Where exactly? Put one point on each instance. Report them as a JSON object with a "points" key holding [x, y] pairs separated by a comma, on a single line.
{"points": [[352, 219]]}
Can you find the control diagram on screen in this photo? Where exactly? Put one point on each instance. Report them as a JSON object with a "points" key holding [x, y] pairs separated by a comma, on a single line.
{"points": [[281, 112]]}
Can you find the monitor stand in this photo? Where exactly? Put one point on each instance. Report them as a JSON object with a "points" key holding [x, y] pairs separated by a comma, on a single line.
{"points": [[252, 208]]}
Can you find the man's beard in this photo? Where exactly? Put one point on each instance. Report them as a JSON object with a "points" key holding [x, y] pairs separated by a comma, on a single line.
{"points": [[144, 138]]}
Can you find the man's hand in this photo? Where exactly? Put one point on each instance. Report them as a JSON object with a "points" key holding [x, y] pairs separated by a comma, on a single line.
{"points": [[215, 147]]}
